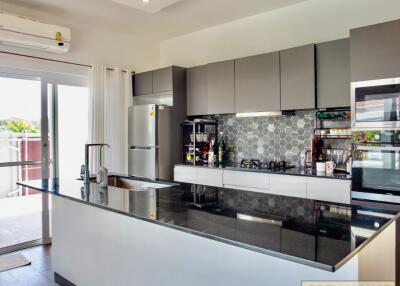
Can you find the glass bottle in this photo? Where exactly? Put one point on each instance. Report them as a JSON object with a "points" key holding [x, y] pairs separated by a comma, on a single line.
{"points": [[221, 148], [211, 153]]}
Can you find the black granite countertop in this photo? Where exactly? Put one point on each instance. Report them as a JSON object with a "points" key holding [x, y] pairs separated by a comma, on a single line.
{"points": [[319, 234], [291, 171]]}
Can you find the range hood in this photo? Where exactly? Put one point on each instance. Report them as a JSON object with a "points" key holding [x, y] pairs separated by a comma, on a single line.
{"points": [[259, 114], [265, 114]]}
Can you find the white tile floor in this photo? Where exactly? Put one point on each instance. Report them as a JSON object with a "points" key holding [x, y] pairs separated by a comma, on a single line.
{"points": [[20, 219]]}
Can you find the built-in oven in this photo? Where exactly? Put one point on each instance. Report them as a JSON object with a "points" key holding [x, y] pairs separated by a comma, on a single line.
{"points": [[375, 104], [376, 166]]}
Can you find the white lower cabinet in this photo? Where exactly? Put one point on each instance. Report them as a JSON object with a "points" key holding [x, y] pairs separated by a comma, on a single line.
{"points": [[201, 176], [185, 174], [257, 182], [324, 189], [294, 186], [209, 177], [330, 190]]}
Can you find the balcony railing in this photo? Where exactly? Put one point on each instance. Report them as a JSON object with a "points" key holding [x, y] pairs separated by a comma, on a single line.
{"points": [[14, 148]]}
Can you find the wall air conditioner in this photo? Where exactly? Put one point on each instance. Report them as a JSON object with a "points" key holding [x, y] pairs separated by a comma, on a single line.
{"points": [[26, 33]]}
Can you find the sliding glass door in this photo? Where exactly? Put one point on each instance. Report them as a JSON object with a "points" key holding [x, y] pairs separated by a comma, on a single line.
{"points": [[21, 142], [69, 105], [43, 130]]}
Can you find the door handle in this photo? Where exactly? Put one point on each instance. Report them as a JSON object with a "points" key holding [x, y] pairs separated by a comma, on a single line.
{"points": [[143, 148], [378, 148]]}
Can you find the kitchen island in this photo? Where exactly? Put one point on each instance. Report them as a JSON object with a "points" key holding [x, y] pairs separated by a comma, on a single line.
{"points": [[187, 234]]}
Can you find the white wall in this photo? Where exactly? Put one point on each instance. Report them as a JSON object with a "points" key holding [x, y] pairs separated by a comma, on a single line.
{"points": [[93, 44], [307, 22]]}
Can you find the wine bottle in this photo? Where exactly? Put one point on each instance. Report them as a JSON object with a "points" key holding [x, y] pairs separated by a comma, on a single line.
{"points": [[221, 148]]}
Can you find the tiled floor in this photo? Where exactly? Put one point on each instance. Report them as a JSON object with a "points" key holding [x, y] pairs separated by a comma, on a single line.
{"points": [[39, 273], [20, 219]]}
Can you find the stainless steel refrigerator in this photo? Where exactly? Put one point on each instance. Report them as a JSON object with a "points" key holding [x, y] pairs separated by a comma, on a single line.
{"points": [[149, 141]]}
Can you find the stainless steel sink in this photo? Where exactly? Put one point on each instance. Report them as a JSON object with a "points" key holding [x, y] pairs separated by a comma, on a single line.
{"points": [[132, 184]]}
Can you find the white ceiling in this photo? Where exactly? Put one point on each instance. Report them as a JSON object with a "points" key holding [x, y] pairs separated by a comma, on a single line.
{"points": [[177, 19], [151, 6]]}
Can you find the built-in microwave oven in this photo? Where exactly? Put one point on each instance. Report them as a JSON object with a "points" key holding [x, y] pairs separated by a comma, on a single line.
{"points": [[375, 104], [376, 166]]}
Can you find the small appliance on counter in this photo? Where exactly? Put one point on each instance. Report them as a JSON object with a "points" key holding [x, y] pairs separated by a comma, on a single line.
{"points": [[376, 166], [102, 173], [150, 142], [200, 141]]}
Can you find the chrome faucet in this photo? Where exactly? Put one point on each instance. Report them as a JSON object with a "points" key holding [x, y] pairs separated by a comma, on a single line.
{"points": [[86, 178]]}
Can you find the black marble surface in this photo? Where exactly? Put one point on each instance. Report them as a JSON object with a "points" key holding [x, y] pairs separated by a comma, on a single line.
{"points": [[291, 172], [319, 234]]}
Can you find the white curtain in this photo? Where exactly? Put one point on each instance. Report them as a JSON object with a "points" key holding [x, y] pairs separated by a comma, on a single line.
{"points": [[97, 92], [111, 94]]}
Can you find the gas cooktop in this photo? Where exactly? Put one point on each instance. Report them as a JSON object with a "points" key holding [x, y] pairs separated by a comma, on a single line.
{"points": [[268, 165]]}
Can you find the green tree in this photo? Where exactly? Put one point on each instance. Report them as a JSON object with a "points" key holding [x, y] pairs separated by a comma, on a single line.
{"points": [[19, 126]]}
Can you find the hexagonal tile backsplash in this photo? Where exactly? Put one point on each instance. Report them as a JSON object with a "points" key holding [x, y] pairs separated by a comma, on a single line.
{"points": [[270, 138]]}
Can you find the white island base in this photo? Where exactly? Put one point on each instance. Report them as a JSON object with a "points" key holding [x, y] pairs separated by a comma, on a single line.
{"points": [[97, 247]]}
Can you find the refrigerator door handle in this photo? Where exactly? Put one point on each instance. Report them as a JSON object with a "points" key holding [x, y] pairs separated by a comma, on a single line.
{"points": [[143, 147]]}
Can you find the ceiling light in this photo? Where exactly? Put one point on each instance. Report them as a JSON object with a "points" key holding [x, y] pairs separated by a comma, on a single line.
{"points": [[146, 1], [259, 114]]}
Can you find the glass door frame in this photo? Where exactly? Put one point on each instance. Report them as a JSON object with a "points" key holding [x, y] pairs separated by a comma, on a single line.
{"points": [[53, 123], [52, 104], [44, 162]]}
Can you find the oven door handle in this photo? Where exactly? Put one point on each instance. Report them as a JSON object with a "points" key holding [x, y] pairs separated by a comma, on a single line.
{"points": [[377, 148]]}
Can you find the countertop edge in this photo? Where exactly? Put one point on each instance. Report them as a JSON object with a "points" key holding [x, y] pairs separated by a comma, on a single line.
{"points": [[365, 243]]}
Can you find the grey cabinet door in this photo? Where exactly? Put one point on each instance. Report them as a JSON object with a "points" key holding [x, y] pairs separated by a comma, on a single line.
{"points": [[196, 90], [162, 80], [333, 74], [298, 78], [375, 51], [221, 87], [143, 83], [257, 83]]}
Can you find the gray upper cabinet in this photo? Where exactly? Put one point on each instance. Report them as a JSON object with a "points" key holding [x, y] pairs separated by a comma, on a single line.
{"points": [[333, 74], [196, 90], [143, 83], [162, 80], [221, 87], [257, 83], [375, 51], [298, 78]]}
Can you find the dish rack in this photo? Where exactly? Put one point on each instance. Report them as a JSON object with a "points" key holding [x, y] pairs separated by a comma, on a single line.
{"points": [[333, 124], [332, 129], [197, 135]]}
